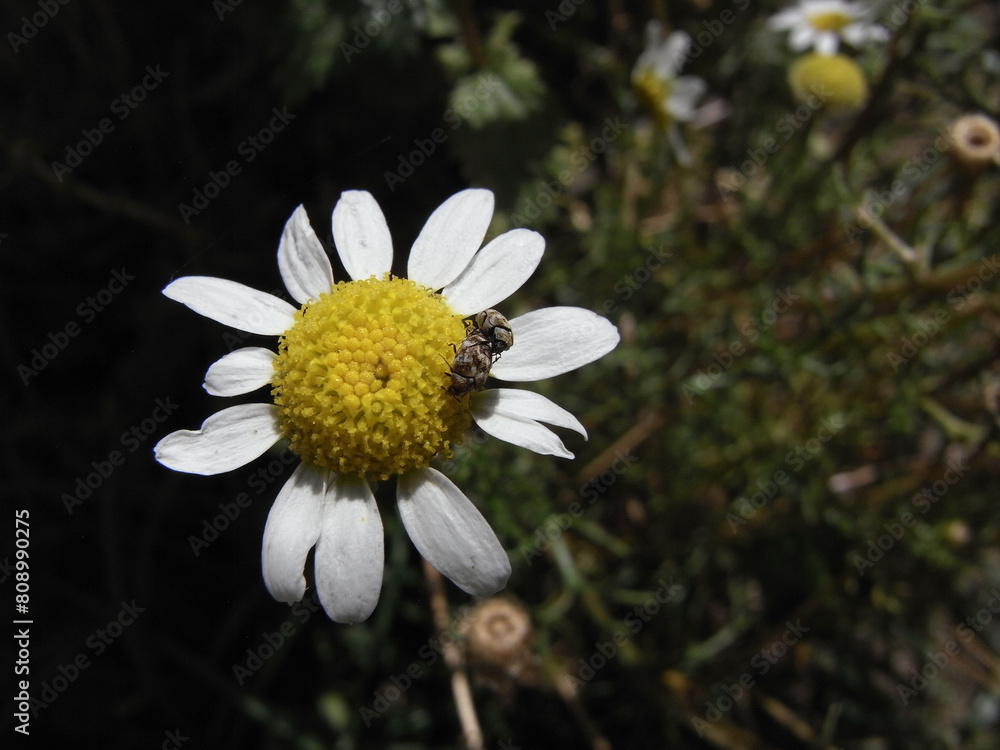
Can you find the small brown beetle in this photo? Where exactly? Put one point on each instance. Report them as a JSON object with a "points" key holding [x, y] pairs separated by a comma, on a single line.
{"points": [[471, 366], [496, 328]]}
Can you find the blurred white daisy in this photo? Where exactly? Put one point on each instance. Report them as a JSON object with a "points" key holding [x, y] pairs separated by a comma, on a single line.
{"points": [[669, 97], [822, 24], [358, 386]]}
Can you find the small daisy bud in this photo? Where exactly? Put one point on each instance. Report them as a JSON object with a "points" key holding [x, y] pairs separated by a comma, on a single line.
{"points": [[976, 141], [834, 80], [498, 638]]}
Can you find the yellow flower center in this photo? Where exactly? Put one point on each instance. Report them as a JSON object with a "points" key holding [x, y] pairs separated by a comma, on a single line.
{"points": [[835, 81], [359, 378], [829, 21], [652, 93]]}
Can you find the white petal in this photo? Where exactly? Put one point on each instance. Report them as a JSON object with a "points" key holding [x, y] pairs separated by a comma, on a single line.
{"points": [[801, 38], [450, 533], [227, 440], [525, 405], [241, 371], [233, 304], [361, 235], [673, 54], [496, 271], [786, 19], [654, 40], [304, 265], [858, 34], [827, 43], [450, 238], [292, 528], [526, 433], [350, 552], [554, 340], [684, 96]]}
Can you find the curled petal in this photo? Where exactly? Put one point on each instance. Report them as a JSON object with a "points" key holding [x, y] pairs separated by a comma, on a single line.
{"points": [[227, 440], [292, 528]]}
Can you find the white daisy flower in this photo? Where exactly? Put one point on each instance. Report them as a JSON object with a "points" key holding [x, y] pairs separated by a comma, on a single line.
{"points": [[359, 392], [821, 24], [668, 97]]}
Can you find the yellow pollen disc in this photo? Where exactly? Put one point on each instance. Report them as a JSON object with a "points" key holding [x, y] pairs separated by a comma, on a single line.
{"points": [[652, 94], [835, 81], [829, 21], [359, 378]]}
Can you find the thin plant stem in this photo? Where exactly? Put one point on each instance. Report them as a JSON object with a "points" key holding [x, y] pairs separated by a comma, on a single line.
{"points": [[472, 734]]}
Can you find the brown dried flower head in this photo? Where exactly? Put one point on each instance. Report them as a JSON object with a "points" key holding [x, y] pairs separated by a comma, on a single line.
{"points": [[497, 635], [976, 141]]}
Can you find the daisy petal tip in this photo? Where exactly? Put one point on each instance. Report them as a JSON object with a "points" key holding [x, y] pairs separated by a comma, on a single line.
{"points": [[349, 613], [289, 593], [170, 290], [492, 581]]}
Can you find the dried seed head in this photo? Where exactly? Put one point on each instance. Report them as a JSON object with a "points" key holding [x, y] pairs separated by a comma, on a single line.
{"points": [[976, 142], [497, 636]]}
